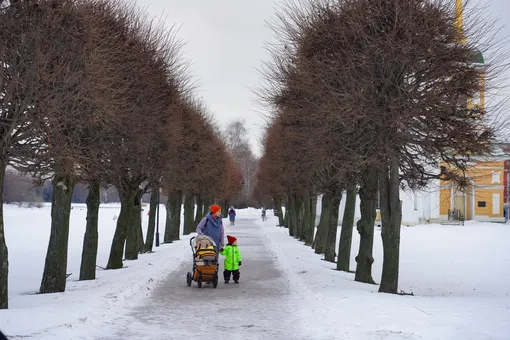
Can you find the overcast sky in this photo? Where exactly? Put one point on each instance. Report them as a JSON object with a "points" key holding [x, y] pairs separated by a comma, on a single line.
{"points": [[225, 42]]}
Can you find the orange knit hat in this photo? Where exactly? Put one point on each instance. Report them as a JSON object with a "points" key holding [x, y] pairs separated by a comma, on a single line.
{"points": [[214, 208]]}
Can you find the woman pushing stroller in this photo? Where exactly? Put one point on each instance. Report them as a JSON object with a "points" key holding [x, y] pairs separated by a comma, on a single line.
{"points": [[212, 226]]}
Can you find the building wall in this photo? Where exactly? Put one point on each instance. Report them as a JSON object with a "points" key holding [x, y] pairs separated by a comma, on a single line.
{"points": [[507, 183], [484, 199], [433, 203], [493, 210], [444, 201], [488, 173], [417, 207]]}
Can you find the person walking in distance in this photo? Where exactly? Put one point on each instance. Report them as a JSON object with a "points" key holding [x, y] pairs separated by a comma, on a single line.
{"points": [[233, 260], [232, 215]]}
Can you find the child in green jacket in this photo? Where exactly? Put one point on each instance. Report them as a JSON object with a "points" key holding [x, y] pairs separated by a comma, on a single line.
{"points": [[232, 259]]}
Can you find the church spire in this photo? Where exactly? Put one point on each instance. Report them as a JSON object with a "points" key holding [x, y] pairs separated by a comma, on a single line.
{"points": [[459, 19]]}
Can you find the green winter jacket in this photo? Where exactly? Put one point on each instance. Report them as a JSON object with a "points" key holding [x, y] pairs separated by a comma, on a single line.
{"points": [[232, 257]]}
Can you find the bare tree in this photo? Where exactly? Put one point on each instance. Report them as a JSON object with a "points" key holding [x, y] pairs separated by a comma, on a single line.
{"points": [[56, 44], [389, 82], [344, 246], [155, 79], [232, 184], [16, 95], [238, 145]]}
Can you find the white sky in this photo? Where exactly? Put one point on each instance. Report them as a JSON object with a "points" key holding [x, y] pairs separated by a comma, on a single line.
{"points": [[225, 42]]}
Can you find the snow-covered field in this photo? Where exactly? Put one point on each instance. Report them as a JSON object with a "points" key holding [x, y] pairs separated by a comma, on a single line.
{"points": [[84, 304], [459, 274]]}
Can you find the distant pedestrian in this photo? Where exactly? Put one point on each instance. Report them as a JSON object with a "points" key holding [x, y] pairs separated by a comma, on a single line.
{"points": [[232, 215], [212, 226], [233, 260]]}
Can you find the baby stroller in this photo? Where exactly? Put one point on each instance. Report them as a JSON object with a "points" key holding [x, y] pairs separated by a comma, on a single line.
{"points": [[205, 261]]}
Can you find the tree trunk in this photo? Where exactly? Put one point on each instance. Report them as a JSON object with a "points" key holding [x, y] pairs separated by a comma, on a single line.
{"points": [[133, 234], [4, 255], [173, 216], [55, 265], [322, 229], [368, 195], [344, 248], [200, 209], [304, 213], [299, 213], [224, 208], [189, 211], [151, 228], [307, 220], [141, 243], [227, 205], [278, 207], [311, 204], [292, 215], [329, 252], [205, 207], [90, 240], [170, 210], [176, 235], [123, 222], [391, 216], [208, 201], [286, 215], [313, 218]]}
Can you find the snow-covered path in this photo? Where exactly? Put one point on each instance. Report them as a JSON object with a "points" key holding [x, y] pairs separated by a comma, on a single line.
{"points": [[458, 276], [257, 308]]}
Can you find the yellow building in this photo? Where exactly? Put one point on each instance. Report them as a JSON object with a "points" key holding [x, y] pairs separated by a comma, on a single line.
{"points": [[483, 198]]}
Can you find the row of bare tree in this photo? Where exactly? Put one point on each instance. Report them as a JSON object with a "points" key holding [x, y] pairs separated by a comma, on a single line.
{"points": [[238, 145], [368, 97], [20, 189], [93, 92]]}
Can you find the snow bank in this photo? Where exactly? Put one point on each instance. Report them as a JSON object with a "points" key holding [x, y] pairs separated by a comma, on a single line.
{"points": [[85, 304], [458, 274]]}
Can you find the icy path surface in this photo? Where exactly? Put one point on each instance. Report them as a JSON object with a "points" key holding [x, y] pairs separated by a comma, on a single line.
{"points": [[258, 308]]}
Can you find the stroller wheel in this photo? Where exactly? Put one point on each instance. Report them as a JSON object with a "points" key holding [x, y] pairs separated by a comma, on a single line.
{"points": [[189, 279], [215, 280], [199, 281]]}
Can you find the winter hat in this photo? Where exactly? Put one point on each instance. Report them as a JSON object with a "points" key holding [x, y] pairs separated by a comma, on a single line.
{"points": [[231, 239], [214, 208]]}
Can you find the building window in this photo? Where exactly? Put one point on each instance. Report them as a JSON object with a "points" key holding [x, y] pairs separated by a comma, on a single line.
{"points": [[482, 204], [496, 177], [495, 204], [476, 99]]}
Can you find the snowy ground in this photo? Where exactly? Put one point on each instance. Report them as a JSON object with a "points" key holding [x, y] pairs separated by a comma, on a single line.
{"points": [[261, 307], [458, 274], [85, 304]]}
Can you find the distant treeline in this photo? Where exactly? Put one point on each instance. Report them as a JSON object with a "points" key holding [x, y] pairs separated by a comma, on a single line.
{"points": [[21, 188]]}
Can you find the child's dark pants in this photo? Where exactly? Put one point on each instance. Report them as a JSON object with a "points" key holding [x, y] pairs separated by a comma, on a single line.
{"points": [[235, 274]]}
